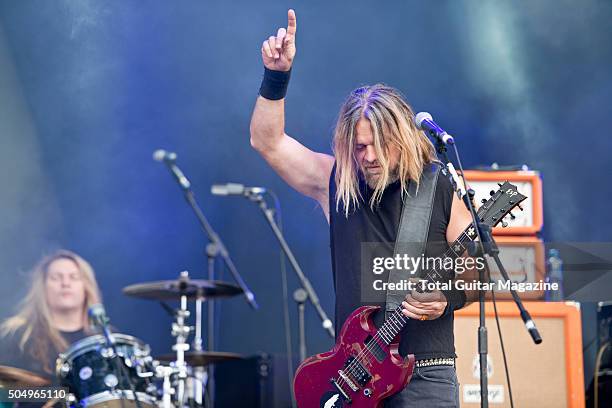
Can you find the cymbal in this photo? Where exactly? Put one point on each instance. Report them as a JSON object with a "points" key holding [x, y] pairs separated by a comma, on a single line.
{"points": [[13, 376], [201, 358], [174, 289]]}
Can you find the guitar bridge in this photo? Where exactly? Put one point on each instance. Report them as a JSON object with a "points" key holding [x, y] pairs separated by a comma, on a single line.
{"points": [[341, 391], [348, 380]]}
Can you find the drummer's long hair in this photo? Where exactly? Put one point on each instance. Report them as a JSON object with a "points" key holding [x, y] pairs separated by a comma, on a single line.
{"points": [[38, 337]]}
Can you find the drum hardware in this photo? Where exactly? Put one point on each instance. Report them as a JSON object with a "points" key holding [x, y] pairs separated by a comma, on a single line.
{"points": [[177, 288], [201, 358], [185, 372], [181, 331], [98, 378], [107, 352], [214, 250], [200, 376], [99, 318], [166, 372]]}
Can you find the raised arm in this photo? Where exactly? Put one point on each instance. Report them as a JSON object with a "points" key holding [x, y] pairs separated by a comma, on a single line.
{"points": [[306, 171]]}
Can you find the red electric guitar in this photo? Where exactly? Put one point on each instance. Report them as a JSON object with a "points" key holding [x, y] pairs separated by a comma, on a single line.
{"points": [[365, 367]]}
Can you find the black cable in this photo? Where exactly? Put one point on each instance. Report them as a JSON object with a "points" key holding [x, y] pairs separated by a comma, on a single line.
{"points": [[287, 321], [503, 349]]}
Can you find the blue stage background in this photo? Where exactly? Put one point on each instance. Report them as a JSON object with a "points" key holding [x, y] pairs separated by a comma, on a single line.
{"points": [[89, 89]]}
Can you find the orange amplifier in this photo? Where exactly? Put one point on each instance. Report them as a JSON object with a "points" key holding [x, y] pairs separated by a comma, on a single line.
{"points": [[527, 222], [549, 374], [524, 260]]}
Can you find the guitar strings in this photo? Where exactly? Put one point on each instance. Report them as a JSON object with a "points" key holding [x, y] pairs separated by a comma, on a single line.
{"points": [[387, 330]]}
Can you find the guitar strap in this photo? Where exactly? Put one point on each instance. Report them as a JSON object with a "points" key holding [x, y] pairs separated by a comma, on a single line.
{"points": [[413, 229]]}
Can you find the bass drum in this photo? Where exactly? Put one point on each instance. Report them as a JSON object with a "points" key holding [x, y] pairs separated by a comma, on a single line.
{"points": [[95, 378]]}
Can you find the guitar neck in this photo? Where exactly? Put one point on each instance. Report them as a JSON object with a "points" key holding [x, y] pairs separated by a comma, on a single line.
{"points": [[396, 321]]}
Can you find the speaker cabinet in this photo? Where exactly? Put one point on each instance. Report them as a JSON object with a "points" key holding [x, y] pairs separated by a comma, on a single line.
{"points": [[524, 260], [546, 375]]}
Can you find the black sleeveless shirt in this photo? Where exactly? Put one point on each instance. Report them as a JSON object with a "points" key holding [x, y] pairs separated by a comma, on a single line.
{"points": [[351, 265]]}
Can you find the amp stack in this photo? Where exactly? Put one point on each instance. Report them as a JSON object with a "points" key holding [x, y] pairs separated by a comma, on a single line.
{"points": [[546, 375], [521, 249]]}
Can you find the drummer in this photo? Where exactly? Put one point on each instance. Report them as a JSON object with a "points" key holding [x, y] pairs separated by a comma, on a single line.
{"points": [[52, 315]]}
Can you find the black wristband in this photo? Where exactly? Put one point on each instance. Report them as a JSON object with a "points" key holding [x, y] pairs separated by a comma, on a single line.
{"points": [[455, 300], [274, 84]]}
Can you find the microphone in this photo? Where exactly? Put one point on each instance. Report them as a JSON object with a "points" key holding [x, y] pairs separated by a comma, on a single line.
{"points": [[97, 315], [162, 155], [169, 159], [425, 122], [235, 189]]}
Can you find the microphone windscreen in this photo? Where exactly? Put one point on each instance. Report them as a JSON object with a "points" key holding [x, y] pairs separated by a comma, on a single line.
{"points": [[420, 117], [159, 155], [218, 189], [235, 188], [97, 313]]}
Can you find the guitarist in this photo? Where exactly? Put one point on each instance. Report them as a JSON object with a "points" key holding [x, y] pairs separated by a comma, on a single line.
{"points": [[378, 151]]}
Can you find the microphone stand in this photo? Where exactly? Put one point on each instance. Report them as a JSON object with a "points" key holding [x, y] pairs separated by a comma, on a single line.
{"points": [[300, 296], [216, 246], [310, 292], [486, 245], [214, 249], [112, 355]]}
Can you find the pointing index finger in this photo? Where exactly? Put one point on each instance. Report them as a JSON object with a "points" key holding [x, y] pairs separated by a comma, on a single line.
{"points": [[291, 22]]}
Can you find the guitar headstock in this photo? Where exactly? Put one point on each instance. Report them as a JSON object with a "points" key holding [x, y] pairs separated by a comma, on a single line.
{"points": [[502, 201]]}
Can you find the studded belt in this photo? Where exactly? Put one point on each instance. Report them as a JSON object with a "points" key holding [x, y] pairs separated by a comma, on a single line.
{"points": [[435, 362]]}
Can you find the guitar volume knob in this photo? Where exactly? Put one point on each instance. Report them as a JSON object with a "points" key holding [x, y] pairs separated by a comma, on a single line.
{"points": [[367, 392]]}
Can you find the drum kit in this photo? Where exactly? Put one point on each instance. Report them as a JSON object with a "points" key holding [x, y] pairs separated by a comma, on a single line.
{"points": [[124, 374]]}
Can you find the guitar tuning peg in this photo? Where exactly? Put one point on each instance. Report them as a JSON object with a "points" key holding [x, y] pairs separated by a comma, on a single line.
{"points": [[500, 184], [520, 207], [492, 192], [504, 224], [512, 216], [484, 200]]}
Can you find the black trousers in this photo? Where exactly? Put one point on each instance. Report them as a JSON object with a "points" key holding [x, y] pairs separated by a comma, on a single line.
{"points": [[430, 387]]}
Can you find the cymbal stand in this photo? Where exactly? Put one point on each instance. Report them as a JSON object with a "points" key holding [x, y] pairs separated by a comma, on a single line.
{"points": [[200, 375], [180, 330], [167, 390]]}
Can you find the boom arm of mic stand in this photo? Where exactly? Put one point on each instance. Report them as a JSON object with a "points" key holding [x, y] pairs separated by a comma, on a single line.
{"points": [[525, 316], [314, 299], [214, 238]]}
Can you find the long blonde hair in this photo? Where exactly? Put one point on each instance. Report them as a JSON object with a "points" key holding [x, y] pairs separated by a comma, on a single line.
{"points": [[33, 320], [392, 122]]}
